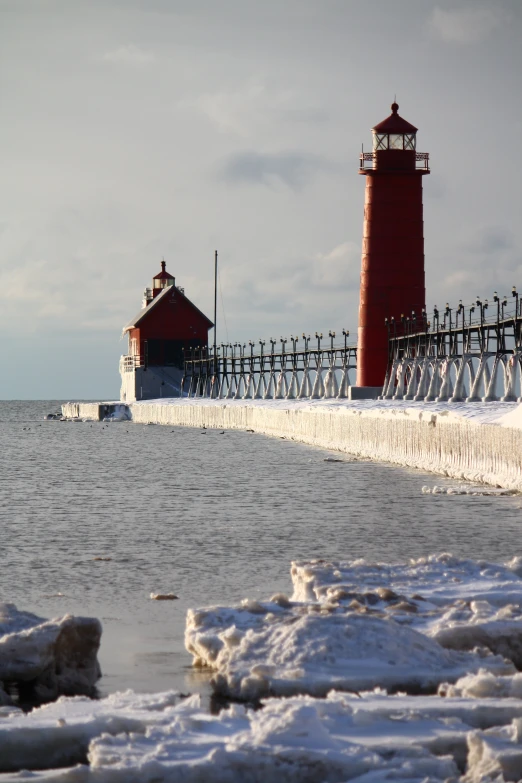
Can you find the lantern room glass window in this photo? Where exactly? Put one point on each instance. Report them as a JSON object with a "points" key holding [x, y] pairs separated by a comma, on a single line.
{"points": [[380, 141], [394, 141], [163, 282]]}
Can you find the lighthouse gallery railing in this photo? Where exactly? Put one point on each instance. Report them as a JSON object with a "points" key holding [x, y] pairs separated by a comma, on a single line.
{"points": [[369, 159]]}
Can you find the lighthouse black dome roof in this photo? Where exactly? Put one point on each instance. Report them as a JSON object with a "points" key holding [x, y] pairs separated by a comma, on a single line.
{"points": [[394, 123]]}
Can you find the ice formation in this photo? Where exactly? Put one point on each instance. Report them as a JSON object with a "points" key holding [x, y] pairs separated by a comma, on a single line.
{"points": [[355, 625], [459, 603], [47, 658], [352, 624], [119, 413], [464, 489], [262, 648], [495, 754], [368, 738], [58, 734]]}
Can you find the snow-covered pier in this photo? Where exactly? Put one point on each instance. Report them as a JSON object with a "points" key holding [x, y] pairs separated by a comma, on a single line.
{"points": [[467, 441]]}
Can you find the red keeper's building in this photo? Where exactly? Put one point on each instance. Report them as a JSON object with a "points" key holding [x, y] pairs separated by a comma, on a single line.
{"points": [[392, 267], [167, 325]]}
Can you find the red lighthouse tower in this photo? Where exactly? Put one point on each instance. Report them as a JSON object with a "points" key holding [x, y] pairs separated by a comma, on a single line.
{"points": [[392, 268]]}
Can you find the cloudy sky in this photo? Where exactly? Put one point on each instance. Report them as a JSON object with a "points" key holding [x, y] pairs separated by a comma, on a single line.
{"points": [[139, 129]]}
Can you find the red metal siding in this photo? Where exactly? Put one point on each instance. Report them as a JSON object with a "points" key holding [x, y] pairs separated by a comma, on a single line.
{"points": [[392, 268]]}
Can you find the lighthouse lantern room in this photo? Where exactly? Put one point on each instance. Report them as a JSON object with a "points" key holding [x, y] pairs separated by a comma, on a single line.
{"points": [[392, 266], [167, 325]]}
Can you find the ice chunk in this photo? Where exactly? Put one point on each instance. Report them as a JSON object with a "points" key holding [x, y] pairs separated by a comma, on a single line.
{"points": [[49, 657], [495, 754], [460, 603], [59, 734], [369, 737], [484, 684], [465, 489], [298, 740], [312, 649], [500, 636], [442, 579]]}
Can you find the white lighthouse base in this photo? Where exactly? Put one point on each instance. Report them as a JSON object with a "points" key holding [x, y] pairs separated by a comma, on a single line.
{"points": [[149, 383]]}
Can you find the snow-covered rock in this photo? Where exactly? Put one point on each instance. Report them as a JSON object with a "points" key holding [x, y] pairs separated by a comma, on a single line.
{"points": [[268, 648], [49, 657]]}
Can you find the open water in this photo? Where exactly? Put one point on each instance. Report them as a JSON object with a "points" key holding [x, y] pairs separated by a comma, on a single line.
{"points": [[212, 517]]}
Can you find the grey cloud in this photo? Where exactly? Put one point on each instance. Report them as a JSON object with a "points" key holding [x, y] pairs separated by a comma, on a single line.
{"points": [[309, 116], [491, 239], [465, 25], [496, 239], [129, 54], [293, 169]]}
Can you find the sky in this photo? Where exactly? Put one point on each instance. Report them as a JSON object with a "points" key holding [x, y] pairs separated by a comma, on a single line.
{"points": [[136, 130]]}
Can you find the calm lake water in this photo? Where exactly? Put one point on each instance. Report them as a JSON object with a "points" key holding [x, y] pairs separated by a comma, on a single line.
{"points": [[213, 518]]}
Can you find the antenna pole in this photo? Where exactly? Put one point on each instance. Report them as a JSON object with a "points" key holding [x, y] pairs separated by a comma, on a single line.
{"points": [[215, 308]]}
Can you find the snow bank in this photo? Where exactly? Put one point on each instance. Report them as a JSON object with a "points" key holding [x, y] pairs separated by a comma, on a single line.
{"points": [[261, 649], [369, 738], [48, 657]]}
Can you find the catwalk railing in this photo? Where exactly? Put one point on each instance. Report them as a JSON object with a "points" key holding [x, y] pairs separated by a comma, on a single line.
{"points": [[368, 160], [469, 353], [313, 370]]}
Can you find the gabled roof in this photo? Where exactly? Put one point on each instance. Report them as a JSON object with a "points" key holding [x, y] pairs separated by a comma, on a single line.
{"points": [[144, 312], [394, 123]]}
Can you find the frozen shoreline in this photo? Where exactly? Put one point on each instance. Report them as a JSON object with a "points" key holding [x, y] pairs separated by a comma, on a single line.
{"points": [[468, 731], [479, 442]]}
